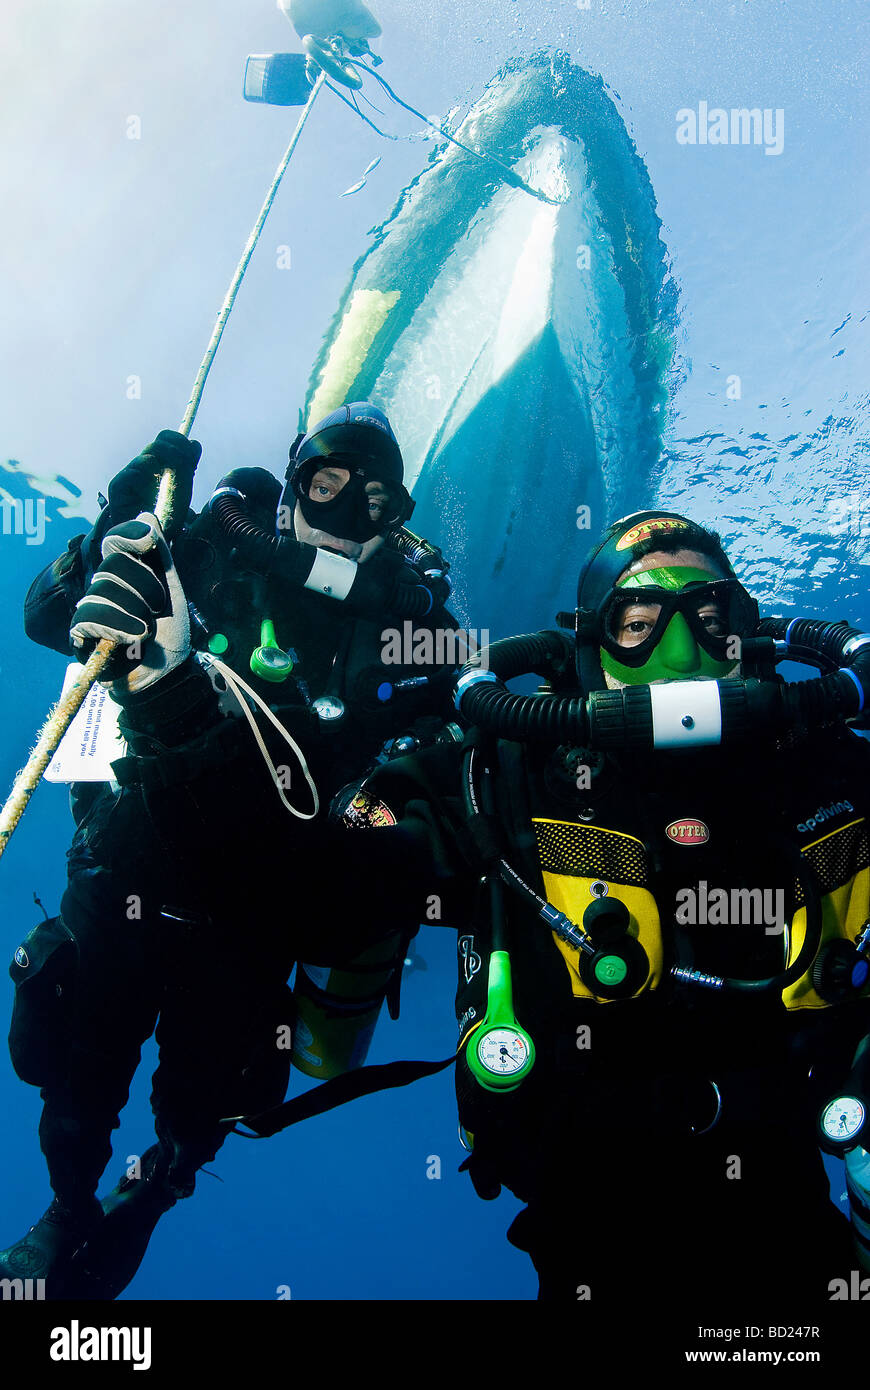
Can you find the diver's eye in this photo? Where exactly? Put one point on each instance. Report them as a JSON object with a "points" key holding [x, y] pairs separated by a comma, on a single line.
{"points": [[377, 501], [712, 621], [327, 483], [631, 623], [632, 628]]}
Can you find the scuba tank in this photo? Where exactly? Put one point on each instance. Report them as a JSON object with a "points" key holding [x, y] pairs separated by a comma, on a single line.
{"points": [[337, 1008]]}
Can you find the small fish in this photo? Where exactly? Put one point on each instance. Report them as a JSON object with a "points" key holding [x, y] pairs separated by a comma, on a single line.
{"points": [[362, 183]]}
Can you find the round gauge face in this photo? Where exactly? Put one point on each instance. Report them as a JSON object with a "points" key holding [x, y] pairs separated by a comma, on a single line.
{"points": [[277, 660], [843, 1118], [503, 1051], [329, 707]]}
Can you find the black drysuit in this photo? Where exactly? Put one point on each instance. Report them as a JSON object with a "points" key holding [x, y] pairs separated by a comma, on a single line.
{"points": [[191, 889], [638, 1194]]}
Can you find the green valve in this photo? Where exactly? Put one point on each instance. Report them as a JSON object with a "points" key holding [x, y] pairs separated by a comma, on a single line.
{"points": [[269, 661], [217, 644], [611, 970]]}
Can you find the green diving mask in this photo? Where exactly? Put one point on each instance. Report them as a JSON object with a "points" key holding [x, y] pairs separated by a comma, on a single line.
{"points": [[674, 623]]}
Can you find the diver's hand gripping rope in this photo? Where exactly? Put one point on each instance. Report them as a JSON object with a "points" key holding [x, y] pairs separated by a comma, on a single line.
{"points": [[65, 710]]}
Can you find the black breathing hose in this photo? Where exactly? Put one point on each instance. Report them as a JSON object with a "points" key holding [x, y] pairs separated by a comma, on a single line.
{"points": [[812, 934], [286, 558], [484, 701], [610, 719], [281, 555], [827, 640]]}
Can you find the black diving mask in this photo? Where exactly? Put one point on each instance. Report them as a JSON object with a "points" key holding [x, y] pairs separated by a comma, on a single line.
{"points": [[351, 513], [632, 620]]}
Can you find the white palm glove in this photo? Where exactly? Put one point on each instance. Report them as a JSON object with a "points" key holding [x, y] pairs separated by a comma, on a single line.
{"points": [[136, 599]]}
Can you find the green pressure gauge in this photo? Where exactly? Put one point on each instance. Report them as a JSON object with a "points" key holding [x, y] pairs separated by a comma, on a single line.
{"points": [[500, 1053], [504, 1052], [841, 1124], [269, 661]]}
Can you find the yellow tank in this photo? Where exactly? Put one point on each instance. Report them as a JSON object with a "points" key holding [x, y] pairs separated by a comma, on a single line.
{"points": [[337, 1009]]}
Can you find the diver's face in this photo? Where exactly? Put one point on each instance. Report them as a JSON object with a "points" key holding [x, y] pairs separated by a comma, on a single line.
{"points": [[326, 484], [678, 655], [637, 618]]}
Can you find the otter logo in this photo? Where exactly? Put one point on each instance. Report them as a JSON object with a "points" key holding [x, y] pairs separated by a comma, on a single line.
{"points": [[470, 958], [643, 529], [688, 832], [824, 813]]}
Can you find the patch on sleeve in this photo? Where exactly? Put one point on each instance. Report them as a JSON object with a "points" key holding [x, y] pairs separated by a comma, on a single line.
{"points": [[365, 812]]}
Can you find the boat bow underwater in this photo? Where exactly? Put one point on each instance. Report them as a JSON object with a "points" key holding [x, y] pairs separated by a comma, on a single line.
{"points": [[520, 344]]}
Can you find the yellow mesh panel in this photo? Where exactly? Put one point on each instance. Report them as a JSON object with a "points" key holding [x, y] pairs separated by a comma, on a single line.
{"points": [[840, 859], [568, 848], [844, 912], [573, 857], [837, 856]]}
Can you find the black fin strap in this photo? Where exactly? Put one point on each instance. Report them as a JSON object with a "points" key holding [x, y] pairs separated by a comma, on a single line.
{"points": [[363, 1081]]}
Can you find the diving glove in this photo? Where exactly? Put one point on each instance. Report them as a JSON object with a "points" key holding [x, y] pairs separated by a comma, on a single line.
{"points": [[135, 599], [134, 489]]}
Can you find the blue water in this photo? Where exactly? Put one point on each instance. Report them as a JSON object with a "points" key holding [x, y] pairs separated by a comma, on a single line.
{"points": [[116, 254]]}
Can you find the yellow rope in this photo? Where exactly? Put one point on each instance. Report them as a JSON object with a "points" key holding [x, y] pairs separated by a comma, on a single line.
{"points": [[68, 706], [50, 736]]}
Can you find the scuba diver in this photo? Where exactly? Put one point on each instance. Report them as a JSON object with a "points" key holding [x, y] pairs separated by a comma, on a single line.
{"points": [[658, 867], [185, 857]]}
